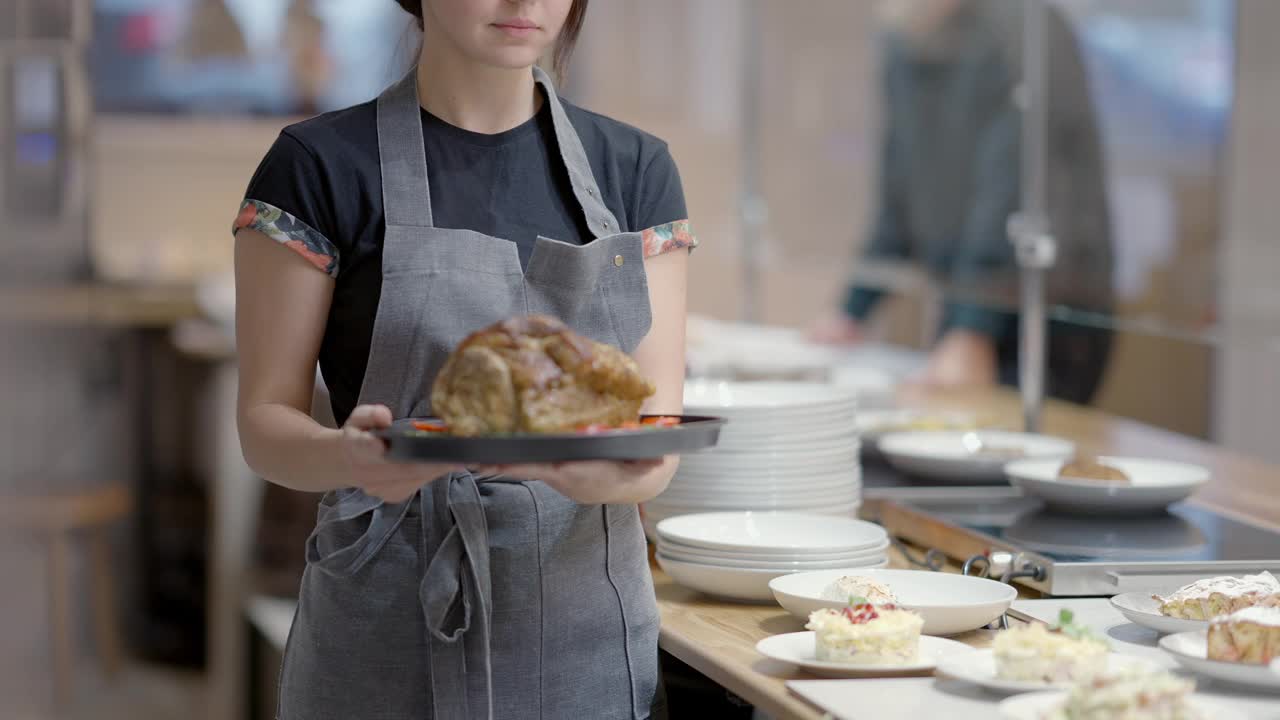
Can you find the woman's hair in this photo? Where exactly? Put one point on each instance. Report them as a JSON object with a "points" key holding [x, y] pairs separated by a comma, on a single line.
{"points": [[564, 44]]}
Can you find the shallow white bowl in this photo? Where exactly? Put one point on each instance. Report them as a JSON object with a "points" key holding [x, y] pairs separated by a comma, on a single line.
{"points": [[800, 504], [944, 455], [768, 557], [1191, 649], [1154, 485], [768, 562], [744, 584], [949, 603], [773, 531], [799, 649]]}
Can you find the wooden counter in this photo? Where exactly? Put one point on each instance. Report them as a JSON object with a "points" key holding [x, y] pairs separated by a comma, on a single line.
{"points": [[718, 638]]}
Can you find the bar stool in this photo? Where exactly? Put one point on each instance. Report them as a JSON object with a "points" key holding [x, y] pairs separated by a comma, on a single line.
{"points": [[58, 519]]}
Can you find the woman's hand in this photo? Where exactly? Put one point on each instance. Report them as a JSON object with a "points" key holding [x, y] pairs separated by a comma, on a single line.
{"points": [[962, 358], [367, 463], [597, 482], [836, 329]]}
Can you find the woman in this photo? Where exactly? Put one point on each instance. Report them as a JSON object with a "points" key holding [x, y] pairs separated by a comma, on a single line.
{"points": [[467, 193], [950, 180]]}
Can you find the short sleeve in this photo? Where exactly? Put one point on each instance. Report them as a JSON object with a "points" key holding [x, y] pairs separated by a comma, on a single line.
{"points": [[286, 202], [660, 207]]}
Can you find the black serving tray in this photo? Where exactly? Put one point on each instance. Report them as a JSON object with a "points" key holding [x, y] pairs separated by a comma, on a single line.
{"points": [[406, 444]]}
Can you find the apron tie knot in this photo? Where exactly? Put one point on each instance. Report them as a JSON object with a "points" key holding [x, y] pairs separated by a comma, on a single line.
{"points": [[456, 596]]}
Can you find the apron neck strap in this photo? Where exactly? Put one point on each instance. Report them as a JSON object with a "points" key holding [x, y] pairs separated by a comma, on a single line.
{"points": [[600, 220], [406, 194]]}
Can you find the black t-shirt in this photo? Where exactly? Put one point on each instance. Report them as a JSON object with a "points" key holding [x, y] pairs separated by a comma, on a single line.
{"points": [[319, 190]]}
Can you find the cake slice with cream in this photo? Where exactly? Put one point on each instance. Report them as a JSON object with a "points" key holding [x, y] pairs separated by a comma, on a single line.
{"points": [[1211, 597]]}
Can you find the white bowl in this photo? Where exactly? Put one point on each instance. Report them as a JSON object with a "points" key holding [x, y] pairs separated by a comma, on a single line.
{"points": [[800, 504], [762, 562], [816, 462], [1153, 486], [768, 557], [773, 531], [733, 583], [945, 455], [794, 475], [765, 450], [948, 602]]}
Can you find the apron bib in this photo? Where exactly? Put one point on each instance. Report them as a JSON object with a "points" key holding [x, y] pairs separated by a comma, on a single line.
{"points": [[479, 597]]}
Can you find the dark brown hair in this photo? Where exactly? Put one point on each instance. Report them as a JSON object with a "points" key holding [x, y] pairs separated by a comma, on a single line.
{"points": [[564, 44]]}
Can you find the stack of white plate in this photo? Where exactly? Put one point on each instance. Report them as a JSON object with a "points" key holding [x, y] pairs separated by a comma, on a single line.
{"points": [[787, 446], [735, 554]]}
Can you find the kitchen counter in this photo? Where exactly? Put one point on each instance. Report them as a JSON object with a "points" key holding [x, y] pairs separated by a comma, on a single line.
{"points": [[718, 638]]}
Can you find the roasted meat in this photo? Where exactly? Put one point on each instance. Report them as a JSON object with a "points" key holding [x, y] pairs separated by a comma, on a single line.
{"points": [[533, 374]]}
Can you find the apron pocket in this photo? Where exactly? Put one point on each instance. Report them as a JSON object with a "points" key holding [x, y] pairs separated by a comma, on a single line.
{"points": [[350, 529]]}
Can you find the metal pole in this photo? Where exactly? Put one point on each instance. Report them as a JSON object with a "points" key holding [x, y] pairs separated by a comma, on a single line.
{"points": [[1029, 230], [752, 208]]}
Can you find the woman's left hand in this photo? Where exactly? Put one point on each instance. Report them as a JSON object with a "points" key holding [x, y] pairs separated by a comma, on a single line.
{"points": [[596, 482]]}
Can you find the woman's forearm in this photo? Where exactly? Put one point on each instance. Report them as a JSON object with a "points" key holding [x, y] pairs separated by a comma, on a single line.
{"points": [[289, 448], [650, 485]]}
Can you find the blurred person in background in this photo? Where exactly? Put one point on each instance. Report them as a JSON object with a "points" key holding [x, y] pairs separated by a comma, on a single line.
{"points": [[950, 180], [373, 240]]}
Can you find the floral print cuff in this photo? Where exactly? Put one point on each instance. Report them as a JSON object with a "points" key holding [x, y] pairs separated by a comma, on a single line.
{"points": [[290, 232], [671, 236]]}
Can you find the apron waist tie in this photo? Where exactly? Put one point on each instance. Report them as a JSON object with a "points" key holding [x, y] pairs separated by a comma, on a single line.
{"points": [[456, 597]]}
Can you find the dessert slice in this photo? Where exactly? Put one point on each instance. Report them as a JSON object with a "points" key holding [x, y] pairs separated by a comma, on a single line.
{"points": [[859, 586], [1251, 635], [1133, 695], [1065, 652], [1209, 598], [866, 634]]}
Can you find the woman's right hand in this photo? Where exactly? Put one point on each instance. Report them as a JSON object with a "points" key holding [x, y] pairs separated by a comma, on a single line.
{"points": [[367, 463]]}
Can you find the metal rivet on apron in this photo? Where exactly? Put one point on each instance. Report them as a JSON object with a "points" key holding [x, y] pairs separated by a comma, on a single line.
{"points": [[604, 224], [591, 192], [617, 260]]}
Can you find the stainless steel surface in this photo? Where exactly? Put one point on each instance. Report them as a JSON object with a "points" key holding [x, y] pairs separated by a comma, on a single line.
{"points": [[1083, 555]]}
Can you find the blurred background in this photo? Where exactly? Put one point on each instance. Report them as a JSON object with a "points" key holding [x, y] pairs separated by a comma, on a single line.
{"points": [[850, 157]]}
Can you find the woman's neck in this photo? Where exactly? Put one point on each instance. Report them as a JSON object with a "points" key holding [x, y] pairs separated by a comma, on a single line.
{"points": [[475, 97]]}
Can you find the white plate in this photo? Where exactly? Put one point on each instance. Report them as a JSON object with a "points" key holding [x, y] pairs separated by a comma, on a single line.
{"points": [[1191, 649], [771, 563], [768, 477], [1153, 486], [770, 397], [682, 509], [949, 603], [709, 484], [695, 493], [733, 583], [979, 668], [945, 456], [784, 532], [798, 649], [1036, 706], [1142, 609]]}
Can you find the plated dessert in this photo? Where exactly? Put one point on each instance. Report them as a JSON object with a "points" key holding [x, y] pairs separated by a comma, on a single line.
{"points": [[1134, 695], [1086, 468], [848, 587], [866, 634], [1251, 635], [1064, 652], [1211, 597]]}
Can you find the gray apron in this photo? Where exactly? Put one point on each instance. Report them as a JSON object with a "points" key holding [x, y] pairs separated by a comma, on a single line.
{"points": [[479, 597]]}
